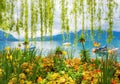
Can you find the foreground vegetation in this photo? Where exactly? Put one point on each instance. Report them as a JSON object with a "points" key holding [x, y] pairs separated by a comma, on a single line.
{"points": [[24, 67]]}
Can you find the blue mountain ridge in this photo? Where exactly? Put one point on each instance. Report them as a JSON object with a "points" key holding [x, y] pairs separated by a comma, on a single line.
{"points": [[97, 36], [9, 37]]}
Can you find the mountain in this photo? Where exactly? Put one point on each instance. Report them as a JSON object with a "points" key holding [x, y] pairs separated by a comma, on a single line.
{"points": [[6, 36], [97, 36]]}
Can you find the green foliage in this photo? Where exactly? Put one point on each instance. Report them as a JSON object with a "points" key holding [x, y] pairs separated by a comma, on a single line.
{"points": [[42, 12], [64, 18], [85, 55]]}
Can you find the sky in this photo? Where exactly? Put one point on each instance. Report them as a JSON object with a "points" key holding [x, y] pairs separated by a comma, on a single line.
{"points": [[57, 23]]}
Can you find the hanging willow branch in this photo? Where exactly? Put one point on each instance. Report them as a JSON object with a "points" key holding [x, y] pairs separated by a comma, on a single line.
{"points": [[26, 21], [63, 16], [45, 2], [75, 12], [64, 19], [41, 17], [92, 11], [2, 10], [82, 13], [50, 16], [99, 15], [111, 5]]}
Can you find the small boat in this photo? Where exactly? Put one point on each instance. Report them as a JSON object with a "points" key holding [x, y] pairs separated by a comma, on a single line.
{"points": [[103, 49], [66, 44]]}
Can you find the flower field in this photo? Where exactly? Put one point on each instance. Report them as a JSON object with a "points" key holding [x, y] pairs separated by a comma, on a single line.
{"points": [[24, 67]]}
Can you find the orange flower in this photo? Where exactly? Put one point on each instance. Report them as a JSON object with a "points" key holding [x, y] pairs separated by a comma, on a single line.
{"points": [[92, 65], [76, 67], [92, 60], [96, 44], [84, 77], [39, 79], [98, 70], [113, 82]]}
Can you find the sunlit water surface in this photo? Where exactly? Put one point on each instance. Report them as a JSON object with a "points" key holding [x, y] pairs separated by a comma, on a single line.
{"points": [[49, 47]]}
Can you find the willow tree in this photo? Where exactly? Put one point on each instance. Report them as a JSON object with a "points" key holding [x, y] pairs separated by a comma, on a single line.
{"points": [[91, 4], [2, 11], [64, 18], [26, 20], [111, 5], [41, 17], [99, 15], [34, 19], [82, 13], [75, 13], [50, 16]]}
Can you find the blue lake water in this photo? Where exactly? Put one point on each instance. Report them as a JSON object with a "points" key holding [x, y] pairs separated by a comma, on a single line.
{"points": [[47, 46]]}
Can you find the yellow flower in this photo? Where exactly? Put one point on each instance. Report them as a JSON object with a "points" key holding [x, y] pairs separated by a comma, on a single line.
{"points": [[22, 76], [27, 46], [17, 48], [64, 52], [22, 81], [7, 57], [7, 48], [109, 51], [10, 57], [1, 72], [28, 82], [62, 79]]}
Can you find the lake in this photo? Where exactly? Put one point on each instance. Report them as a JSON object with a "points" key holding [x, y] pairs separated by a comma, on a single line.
{"points": [[47, 46]]}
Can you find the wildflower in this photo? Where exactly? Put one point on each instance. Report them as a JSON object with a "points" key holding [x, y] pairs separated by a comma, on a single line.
{"points": [[27, 47], [84, 77], [96, 44], [62, 72], [39, 79], [22, 81], [62, 79], [98, 70], [17, 48], [7, 57], [76, 67], [7, 48], [28, 82], [109, 51], [92, 60], [24, 65], [113, 82], [64, 52], [27, 70], [22, 76], [10, 57], [92, 65], [1, 72]]}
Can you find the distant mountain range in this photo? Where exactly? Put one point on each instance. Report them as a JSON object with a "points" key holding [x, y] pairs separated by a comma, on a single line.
{"points": [[58, 37], [97, 35], [6, 36]]}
